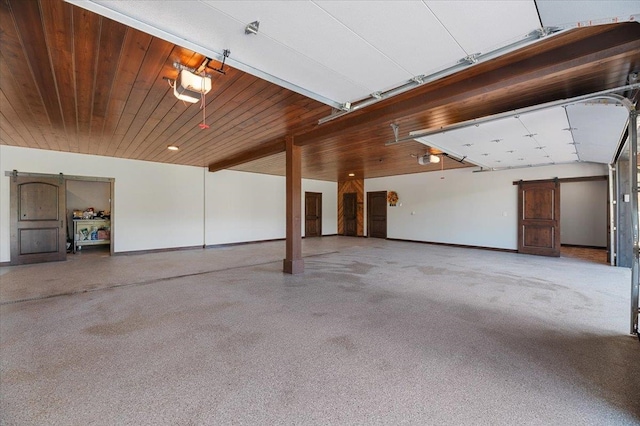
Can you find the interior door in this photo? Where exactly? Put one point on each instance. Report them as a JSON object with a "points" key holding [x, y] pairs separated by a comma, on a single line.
{"points": [[539, 218], [312, 214], [377, 214], [37, 219], [350, 214]]}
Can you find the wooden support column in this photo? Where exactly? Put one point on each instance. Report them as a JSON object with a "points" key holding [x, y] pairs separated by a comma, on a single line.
{"points": [[293, 263]]}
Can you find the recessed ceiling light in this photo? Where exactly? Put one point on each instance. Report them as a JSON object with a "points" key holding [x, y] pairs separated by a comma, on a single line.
{"points": [[172, 148], [352, 174]]}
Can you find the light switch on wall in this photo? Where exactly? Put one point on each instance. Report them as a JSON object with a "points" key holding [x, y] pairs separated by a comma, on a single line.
{"points": [[627, 198]]}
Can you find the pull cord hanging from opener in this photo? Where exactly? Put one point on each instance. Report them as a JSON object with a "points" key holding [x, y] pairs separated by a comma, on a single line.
{"points": [[203, 105]]}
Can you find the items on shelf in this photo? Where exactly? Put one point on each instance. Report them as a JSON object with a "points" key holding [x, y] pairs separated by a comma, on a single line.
{"points": [[90, 213], [91, 228]]}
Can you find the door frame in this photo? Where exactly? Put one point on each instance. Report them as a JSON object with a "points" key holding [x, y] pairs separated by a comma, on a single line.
{"points": [[353, 195], [112, 185], [317, 195], [554, 222], [60, 254], [370, 195], [112, 181]]}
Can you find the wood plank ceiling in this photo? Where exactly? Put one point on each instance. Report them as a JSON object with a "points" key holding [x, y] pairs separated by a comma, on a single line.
{"points": [[73, 81]]}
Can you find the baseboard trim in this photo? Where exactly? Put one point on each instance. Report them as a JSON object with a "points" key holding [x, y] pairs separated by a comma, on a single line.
{"points": [[168, 249], [151, 251], [242, 243], [455, 245], [587, 247]]}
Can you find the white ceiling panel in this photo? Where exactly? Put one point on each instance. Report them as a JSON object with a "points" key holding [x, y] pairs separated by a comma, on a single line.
{"points": [[342, 51], [578, 132], [482, 26], [595, 127], [319, 36], [199, 27], [331, 51], [407, 32], [568, 14]]}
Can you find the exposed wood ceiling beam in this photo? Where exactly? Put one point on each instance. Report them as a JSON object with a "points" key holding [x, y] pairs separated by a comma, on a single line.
{"points": [[523, 78], [534, 63], [275, 146]]}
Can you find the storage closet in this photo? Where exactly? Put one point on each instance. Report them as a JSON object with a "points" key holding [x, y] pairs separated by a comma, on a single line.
{"points": [[89, 214]]}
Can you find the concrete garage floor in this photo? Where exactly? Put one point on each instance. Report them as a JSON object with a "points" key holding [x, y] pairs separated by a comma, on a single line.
{"points": [[375, 332]]}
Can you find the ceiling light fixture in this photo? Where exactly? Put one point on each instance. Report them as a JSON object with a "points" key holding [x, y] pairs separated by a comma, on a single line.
{"points": [[352, 174], [173, 148]]}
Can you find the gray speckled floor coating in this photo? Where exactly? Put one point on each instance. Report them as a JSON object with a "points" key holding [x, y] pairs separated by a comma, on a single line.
{"points": [[375, 332]]}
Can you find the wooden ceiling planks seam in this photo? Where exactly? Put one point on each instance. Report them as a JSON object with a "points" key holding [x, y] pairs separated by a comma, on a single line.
{"points": [[86, 43], [163, 107], [187, 131], [150, 70], [154, 98], [229, 113], [108, 58], [32, 137], [133, 51], [61, 58], [19, 88], [255, 125]]}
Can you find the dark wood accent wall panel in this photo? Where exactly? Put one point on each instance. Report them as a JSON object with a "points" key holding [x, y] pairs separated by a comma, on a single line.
{"points": [[356, 186]]}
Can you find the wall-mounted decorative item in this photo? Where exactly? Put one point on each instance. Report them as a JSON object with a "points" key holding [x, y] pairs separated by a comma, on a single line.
{"points": [[392, 198]]}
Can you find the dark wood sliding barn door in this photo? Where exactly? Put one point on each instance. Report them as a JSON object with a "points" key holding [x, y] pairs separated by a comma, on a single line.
{"points": [[377, 214], [539, 218], [312, 214], [350, 214], [37, 220]]}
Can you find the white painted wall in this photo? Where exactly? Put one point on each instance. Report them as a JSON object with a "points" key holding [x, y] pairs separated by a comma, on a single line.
{"points": [[583, 213], [165, 206], [243, 206], [155, 205], [466, 208], [158, 206], [82, 194]]}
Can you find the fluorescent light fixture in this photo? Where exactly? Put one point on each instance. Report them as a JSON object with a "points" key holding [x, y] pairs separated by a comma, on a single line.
{"points": [[172, 148], [190, 87]]}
